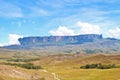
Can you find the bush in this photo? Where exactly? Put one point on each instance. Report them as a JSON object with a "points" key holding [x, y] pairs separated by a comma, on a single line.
{"points": [[98, 66], [26, 65], [23, 60]]}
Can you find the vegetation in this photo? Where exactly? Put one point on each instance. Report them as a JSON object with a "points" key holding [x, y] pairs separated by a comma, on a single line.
{"points": [[98, 66], [65, 67], [68, 51], [23, 60], [41, 79], [89, 51], [26, 65]]}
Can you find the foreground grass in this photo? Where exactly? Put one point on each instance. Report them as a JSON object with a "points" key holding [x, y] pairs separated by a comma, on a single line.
{"points": [[16, 73], [65, 67], [3, 77], [70, 69], [92, 74]]}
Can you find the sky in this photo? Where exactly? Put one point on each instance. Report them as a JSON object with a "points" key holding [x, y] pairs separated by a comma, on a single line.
{"points": [[23, 18]]}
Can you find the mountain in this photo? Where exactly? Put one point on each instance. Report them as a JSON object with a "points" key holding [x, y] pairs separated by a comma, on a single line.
{"points": [[87, 43], [58, 40]]}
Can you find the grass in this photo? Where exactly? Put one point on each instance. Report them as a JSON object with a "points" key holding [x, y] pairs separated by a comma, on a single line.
{"points": [[16, 73], [92, 74], [4, 77], [70, 69], [66, 67]]}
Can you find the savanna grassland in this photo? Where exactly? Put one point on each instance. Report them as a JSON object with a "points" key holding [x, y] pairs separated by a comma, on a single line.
{"points": [[31, 65]]}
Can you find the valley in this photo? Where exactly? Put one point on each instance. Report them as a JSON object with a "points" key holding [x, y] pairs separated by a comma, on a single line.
{"points": [[57, 66]]}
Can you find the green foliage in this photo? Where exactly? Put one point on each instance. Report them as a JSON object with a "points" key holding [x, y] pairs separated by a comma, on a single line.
{"points": [[68, 51], [26, 65], [22, 60], [89, 51], [98, 66], [77, 52]]}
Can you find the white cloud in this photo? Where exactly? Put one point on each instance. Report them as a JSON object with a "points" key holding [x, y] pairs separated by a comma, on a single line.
{"points": [[86, 28], [13, 39], [83, 28], [62, 31], [1, 45], [115, 33]]}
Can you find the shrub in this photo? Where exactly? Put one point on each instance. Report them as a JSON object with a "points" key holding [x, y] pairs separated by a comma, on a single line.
{"points": [[23, 60], [98, 66], [26, 65]]}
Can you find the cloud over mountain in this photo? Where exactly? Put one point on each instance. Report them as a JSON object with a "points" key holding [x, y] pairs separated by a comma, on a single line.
{"points": [[86, 28], [114, 32], [82, 27], [1, 45], [13, 39], [62, 31]]}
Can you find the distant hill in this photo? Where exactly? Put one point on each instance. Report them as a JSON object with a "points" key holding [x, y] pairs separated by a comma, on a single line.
{"points": [[88, 43]]}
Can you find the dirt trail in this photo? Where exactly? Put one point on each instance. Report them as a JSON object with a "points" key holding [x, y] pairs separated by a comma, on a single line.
{"points": [[56, 77]]}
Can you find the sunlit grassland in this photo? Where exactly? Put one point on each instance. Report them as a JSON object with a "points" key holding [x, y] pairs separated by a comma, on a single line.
{"points": [[70, 69], [66, 67], [4, 77], [91, 74], [16, 73], [75, 73]]}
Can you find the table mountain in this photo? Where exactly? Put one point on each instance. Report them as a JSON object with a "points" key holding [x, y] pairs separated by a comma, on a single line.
{"points": [[59, 40], [88, 43]]}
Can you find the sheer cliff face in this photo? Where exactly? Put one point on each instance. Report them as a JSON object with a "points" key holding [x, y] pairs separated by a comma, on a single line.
{"points": [[59, 40]]}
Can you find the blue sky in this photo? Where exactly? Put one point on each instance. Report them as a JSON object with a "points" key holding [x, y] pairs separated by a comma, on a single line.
{"points": [[19, 18]]}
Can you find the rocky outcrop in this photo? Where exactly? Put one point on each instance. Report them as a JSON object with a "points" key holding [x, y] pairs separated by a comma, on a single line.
{"points": [[58, 40]]}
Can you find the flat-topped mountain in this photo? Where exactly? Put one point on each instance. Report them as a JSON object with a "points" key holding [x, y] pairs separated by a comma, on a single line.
{"points": [[88, 43], [59, 40]]}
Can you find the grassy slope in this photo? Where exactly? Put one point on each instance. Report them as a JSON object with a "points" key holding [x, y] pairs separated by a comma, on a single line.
{"points": [[16, 73], [66, 67], [91, 74], [69, 69]]}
